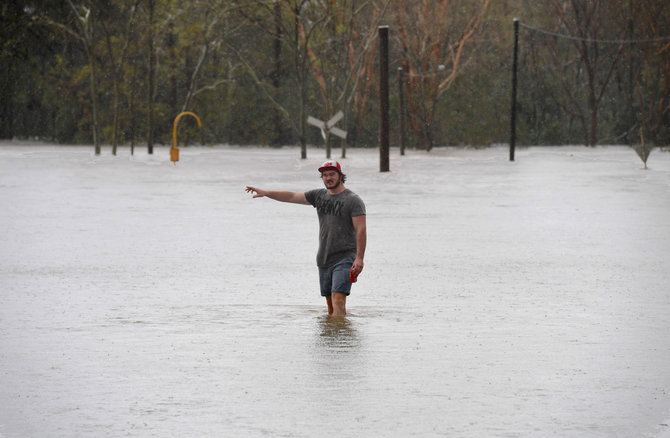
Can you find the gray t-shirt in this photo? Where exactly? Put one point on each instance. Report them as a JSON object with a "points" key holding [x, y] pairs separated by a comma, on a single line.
{"points": [[337, 236]]}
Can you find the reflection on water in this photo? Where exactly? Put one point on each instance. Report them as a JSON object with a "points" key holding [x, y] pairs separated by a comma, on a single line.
{"points": [[337, 333], [337, 355]]}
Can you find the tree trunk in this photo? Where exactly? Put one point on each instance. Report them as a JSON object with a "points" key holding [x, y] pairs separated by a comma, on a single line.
{"points": [[276, 76], [94, 98]]}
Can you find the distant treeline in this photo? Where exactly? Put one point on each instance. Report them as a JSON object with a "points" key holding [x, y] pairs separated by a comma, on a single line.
{"points": [[117, 72]]}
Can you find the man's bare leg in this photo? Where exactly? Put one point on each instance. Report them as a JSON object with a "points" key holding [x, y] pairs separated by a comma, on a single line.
{"points": [[329, 301], [339, 304]]}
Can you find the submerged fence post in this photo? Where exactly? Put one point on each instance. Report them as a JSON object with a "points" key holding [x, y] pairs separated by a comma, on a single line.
{"points": [[401, 110], [512, 139], [384, 98]]}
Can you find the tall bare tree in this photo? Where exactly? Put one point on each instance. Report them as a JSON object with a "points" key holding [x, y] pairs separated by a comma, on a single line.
{"points": [[341, 54], [652, 77], [300, 19], [434, 36], [213, 28], [591, 27]]}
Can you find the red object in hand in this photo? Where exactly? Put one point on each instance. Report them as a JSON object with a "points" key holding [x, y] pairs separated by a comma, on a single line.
{"points": [[353, 276]]}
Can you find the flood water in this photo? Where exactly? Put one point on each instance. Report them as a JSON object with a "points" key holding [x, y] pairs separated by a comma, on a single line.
{"points": [[524, 299]]}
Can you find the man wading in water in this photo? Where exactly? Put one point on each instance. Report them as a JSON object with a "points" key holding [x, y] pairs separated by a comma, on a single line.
{"points": [[342, 233]]}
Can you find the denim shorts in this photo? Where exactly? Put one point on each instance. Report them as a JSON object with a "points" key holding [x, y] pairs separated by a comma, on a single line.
{"points": [[336, 278]]}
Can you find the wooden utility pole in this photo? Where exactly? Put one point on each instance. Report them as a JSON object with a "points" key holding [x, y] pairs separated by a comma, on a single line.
{"points": [[150, 134], [384, 98], [512, 138]]}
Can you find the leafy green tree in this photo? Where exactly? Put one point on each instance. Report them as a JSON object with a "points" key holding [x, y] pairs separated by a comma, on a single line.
{"points": [[120, 70], [117, 44], [84, 28], [293, 23]]}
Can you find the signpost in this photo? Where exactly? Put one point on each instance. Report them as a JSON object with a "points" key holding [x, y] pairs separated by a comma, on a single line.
{"points": [[328, 128]]}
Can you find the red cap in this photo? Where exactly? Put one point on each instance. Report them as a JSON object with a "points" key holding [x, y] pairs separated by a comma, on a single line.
{"points": [[330, 165]]}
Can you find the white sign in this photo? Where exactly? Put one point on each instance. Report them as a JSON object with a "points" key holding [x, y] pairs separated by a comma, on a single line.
{"points": [[329, 126]]}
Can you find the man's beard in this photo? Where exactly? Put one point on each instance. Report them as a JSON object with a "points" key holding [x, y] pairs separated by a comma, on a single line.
{"points": [[335, 185]]}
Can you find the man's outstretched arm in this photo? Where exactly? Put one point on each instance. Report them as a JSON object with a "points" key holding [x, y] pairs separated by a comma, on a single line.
{"points": [[282, 196]]}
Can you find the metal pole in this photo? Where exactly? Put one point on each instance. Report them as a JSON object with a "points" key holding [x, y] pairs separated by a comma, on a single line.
{"points": [[512, 140], [401, 110], [384, 98], [152, 61], [631, 108]]}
